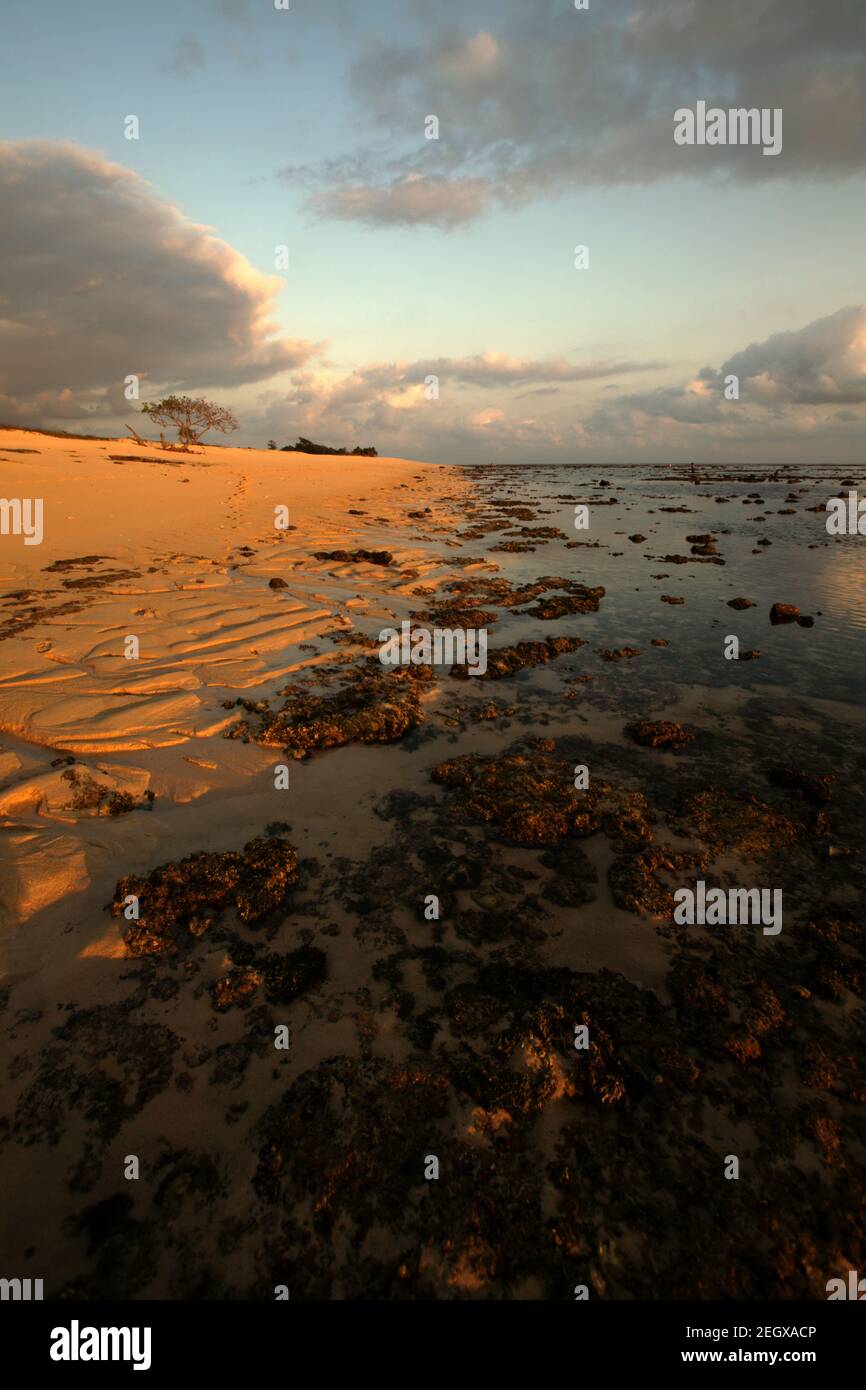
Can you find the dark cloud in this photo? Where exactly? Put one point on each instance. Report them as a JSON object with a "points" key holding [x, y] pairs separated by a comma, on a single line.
{"points": [[542, 99], [100, 278]]}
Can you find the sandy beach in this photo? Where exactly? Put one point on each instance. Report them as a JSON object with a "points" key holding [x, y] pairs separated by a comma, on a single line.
{"points": [[178, 551]]}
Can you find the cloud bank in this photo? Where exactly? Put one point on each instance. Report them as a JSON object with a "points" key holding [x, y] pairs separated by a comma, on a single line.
{"points": [[801, 393], [100, 279], [806, 383]]}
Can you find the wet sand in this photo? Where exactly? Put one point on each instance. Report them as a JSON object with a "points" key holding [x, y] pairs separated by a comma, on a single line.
{"points": [[415, 1036]]}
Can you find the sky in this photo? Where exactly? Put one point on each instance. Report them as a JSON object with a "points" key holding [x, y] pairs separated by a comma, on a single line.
{"points": [[283, 237]]}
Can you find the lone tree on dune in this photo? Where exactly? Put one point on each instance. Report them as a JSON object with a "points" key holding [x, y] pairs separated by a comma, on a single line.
{"points": [[191, 418]]}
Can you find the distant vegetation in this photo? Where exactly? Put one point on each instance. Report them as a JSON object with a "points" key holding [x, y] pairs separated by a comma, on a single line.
{"points": [[306, 446]]}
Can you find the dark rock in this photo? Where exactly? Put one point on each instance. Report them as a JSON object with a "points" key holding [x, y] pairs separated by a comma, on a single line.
{"points": [[506, 661], [186, 895], [354, 557], [813, 787], [658, 733]]}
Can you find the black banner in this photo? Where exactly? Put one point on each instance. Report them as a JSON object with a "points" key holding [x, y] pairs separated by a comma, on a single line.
{"points": [[228, 1339]]}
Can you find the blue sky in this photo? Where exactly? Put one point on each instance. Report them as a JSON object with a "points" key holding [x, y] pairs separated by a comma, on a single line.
{"points": [[306, 128]]}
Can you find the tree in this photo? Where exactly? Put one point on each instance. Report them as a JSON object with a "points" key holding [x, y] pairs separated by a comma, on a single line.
{"points": [[191, 417], [272, 444]]}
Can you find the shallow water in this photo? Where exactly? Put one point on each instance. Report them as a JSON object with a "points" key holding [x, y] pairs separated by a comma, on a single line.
{"points": [[824, 576]]}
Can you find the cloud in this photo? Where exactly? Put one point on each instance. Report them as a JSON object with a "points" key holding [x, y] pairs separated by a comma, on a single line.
{"points": [[490, 416], [790, 382], [388, 403], [550, 99], [802, 392], [405, 201], [821, 364], [499, 369], [401, 385], [100, 278]]}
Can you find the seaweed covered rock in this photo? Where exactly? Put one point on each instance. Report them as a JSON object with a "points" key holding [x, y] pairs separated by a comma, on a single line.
{"points": [[354, 557], [285, 977], [783, 613], [530, 800], [481, 710], [727, 821], [455, 615], [236, 987], [507, 661], [534, 1060], [339, 1155], [636, 884], [814, 787], [342, 1131], [619, 654], [658, 733], [375, 707], [580, 600], [483, 589], [183, 897]]}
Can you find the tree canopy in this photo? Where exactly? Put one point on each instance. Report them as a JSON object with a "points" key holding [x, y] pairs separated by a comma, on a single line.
{"points": [[192, 417]]}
